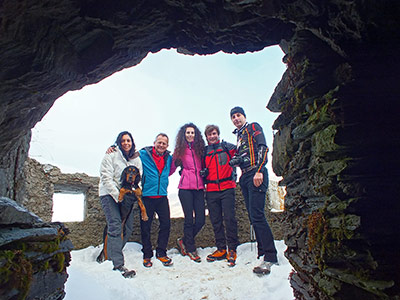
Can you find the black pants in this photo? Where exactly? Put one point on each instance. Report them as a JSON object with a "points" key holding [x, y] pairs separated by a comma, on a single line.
{"points": [[160, 206], [221, 206], [193, 206], [254, 198]]}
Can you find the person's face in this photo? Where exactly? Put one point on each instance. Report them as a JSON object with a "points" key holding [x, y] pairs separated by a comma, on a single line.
{"points": [[189, 134], [126, 143], [238, 120], [161, 144], [212, 137]]}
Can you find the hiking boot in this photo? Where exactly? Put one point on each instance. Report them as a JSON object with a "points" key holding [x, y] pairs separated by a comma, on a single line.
{"points": [[147, 262], [125, 271], [165, 260], [218, 254], [231, 258], [193, 256], [101, 258], [181, 247], [264, 268]]}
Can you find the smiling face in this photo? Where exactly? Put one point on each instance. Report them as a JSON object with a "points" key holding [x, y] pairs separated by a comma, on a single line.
{"points": [[189, 134], [212, 137], [126, 143], [238, 120], [161, 144]]}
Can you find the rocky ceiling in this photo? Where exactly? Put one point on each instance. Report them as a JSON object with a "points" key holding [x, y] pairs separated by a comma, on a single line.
{"points": [[49, 47]]}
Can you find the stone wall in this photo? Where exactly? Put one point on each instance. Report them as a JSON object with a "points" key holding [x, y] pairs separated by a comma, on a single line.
{"points": [[43, 180]]}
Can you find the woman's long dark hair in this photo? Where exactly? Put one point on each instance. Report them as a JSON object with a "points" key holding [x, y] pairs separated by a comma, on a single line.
{"points": [[131, 152], [180, 143]]}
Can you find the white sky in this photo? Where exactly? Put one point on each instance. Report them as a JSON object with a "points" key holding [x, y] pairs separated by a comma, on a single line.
{"points": [[162, 93], [184, 280]]}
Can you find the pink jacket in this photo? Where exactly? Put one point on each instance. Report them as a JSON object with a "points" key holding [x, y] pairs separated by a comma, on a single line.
{"points": [[191, 166]]}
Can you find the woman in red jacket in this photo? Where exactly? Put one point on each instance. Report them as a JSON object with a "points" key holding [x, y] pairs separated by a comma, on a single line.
{"points": [[188, 154]]}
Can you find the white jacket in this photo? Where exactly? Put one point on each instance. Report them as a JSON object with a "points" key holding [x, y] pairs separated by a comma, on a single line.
{"points": [[110, 172]]}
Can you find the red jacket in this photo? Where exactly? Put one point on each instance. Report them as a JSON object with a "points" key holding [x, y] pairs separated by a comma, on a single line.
{"points": [[220, 174]]}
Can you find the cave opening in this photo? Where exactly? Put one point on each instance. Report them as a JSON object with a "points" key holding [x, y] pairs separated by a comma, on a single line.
{"points": [[160, 94], [345, 52]]}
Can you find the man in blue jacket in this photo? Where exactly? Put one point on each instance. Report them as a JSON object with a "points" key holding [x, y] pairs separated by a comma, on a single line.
{"points": [[156, 162]]}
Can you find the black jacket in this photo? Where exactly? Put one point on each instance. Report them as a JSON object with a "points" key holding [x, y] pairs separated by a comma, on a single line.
{"points": [[252, 147]]}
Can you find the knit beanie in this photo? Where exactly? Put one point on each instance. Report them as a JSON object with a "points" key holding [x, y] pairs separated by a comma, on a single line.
{"points": [[236, 110]]}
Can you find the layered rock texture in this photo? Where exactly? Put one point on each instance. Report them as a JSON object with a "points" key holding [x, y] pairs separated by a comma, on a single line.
{"points": [[337, 137], [336, 149], [33, 255]]}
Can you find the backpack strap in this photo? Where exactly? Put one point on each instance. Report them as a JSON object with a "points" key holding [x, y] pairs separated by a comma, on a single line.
{"points": [[223, 144], [233, 176]]}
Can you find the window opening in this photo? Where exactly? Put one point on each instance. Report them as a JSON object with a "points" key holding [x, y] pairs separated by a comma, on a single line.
{"points": [[68, 207]]}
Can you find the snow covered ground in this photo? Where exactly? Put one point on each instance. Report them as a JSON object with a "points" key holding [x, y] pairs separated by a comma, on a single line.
{"points": [[186, 279]]}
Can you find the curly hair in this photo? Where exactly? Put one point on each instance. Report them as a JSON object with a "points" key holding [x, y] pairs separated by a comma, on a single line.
{"points": [[180, 143]]}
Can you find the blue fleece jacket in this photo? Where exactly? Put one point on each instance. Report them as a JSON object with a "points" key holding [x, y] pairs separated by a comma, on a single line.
{"points": [[154, 183]]}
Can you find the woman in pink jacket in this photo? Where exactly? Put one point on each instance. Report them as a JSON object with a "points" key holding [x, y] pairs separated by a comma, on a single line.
{"points": [[188, 153]]}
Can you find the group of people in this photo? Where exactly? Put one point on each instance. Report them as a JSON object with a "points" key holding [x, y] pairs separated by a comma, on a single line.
{"points": [[207, 173]]}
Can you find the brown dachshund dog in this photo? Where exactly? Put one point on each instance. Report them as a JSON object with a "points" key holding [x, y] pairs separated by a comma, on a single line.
{"points": [[130, 179]]}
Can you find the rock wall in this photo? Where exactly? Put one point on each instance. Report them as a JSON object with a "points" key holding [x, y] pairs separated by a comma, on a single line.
{"points": [[337, 165], [11, 169], [34, 255], [43, 180]]}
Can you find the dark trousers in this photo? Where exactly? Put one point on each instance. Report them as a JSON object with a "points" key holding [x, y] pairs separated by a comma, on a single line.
{"points": [[119, 223], [193, 206], [160, 206], [221, 206], [254, 198]]}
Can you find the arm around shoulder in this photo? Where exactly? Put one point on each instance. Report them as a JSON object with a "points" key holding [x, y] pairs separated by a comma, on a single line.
{"points": [[137, 162]]}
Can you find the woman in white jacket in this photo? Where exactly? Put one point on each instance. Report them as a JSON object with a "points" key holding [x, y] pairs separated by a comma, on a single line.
{"points": [[110, 173]]}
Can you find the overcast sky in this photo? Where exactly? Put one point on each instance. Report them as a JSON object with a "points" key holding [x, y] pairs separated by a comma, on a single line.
{"points": [[165, 91]]}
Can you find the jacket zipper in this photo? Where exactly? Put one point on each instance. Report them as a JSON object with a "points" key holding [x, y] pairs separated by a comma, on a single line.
{"points": [[159, 183], [216, 166], [195, 168], [159, 173]]}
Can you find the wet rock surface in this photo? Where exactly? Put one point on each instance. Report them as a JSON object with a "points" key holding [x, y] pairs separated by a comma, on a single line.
{"points": [[33, 255]]}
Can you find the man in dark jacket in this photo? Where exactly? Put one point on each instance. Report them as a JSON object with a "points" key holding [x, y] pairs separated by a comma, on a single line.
{"points": [[220, 179], [251, 157]]}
